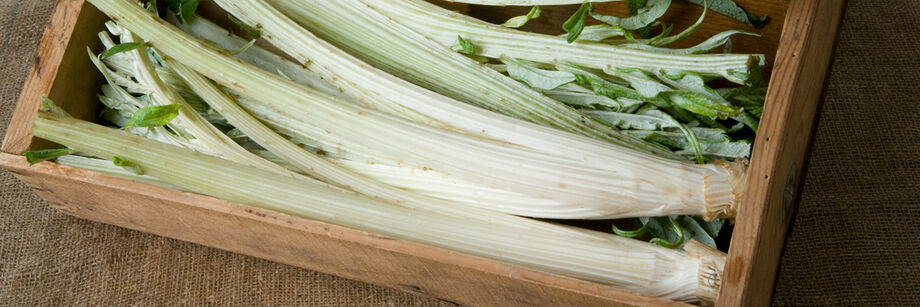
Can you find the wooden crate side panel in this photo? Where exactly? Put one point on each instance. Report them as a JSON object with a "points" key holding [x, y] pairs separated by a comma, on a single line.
{"points": [[62, 52], [782, 144], [327, 248]]}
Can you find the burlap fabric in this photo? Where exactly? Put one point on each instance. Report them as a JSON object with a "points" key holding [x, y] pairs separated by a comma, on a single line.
{"points": [[854, 240]]}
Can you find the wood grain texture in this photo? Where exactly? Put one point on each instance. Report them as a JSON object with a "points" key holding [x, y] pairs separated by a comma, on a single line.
{"points": [[780, 150], [424, 270], [58, 58], [63, 70]]}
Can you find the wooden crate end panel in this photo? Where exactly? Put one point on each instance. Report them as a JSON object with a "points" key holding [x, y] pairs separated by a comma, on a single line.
{"points": [[803, 62]]}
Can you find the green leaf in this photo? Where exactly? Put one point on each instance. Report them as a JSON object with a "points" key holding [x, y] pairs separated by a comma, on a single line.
{"points": [[723, 150], [665, 231], [695, 96], [700, 230], [520, 21], [661, 40], [36, 156], [640, 81], [712, 228], [645, 16], [255, 32], [697, 149], [675, 231], [576, 23], [152, 7], [49, 106], [710, 135], [464, 46], [757, 112], [153, 116], [123, 47], [634, 6], [598, 33], [708, 45], [748, 96], [642, 120], [731, 9], [603, 87], [578, 96], [714, 143], [695, 82], [748, 120], [537, 78], [702, 105], [128, 165], [631, 233], [184, 9]]}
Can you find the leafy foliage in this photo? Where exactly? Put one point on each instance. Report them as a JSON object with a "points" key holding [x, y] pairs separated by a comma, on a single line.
{"points": [[184, 9], [520, 21], [153, 116], [123, 47]]}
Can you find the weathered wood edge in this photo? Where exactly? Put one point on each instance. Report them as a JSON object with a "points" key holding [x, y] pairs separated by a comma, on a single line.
{"points": [[403, 265], [42, 75], [802, 66]]}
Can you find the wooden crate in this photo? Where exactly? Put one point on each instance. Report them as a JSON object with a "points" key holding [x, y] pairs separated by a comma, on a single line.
{"points": [[799, 43]]}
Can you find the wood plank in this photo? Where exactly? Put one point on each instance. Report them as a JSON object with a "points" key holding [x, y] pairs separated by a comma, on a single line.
{"points": [[802, 65], [411, 267], [57, 56]]}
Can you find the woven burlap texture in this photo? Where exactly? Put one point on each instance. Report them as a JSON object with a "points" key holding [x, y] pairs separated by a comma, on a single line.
{"points": [[853, 240]]}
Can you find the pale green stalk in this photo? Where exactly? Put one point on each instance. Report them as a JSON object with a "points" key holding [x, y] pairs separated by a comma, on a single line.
{"points": [[407, 55], [625, 263], [495, 41], [329, 172], [106, 167], [191, 125], [264, 59], [626, 182]]}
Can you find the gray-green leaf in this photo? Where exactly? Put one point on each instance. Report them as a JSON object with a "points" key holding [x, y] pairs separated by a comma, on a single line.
{"points": [[641, 82], [700, 230], [733, 150], [661, 41], [645, 16], [598, 33], [643, 120], [603, 87], [576, 23], [537, 78], [520, 21], [578, 96], [123, 47], [708, 45], [731, 9], [675, 231]]}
